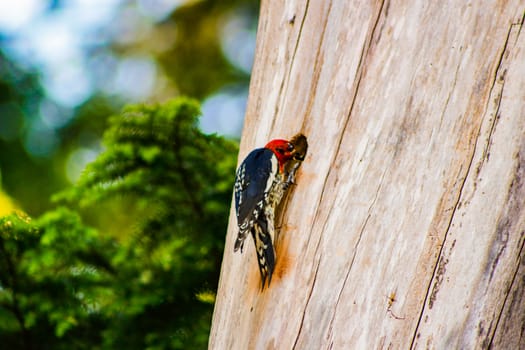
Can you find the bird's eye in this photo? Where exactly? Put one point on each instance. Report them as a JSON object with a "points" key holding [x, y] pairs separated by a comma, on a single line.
{"points": [[290, 147]]}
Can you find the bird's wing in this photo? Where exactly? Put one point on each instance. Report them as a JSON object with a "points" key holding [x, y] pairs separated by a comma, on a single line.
{"points": [[254, 178]]}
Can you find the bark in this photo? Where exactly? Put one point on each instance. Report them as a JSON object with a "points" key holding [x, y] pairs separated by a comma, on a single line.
{"points": [[407, 225]]}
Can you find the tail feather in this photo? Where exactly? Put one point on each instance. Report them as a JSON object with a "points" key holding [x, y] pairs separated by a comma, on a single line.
{"points": [[244, 228], [265, 251], [239, 242]]}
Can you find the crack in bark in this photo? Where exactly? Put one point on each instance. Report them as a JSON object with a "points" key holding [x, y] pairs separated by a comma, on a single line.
{"points": [[430, 290], [506, 224], [485, 155], [356, 247], [306, 306], [318, 264], [359, 72], [520, 25], [518, 266], [358, 77], [327, 175], [499, 96], [430, 294], [454, 82], [307, 5], [340, 141], [318, 65], [286, 78]]}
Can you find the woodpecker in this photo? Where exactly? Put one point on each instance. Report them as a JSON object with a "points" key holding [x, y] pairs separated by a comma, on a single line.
{"points": [[261, 181]]}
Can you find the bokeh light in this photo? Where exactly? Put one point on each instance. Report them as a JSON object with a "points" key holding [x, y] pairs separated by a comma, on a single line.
{"points": [[238, 40], [134, 78], [77, 161], [223, 112], [14, 16]]}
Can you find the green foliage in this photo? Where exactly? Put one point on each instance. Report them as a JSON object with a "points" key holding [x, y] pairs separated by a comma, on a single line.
{"points": [[53, 280], [169, 187]]}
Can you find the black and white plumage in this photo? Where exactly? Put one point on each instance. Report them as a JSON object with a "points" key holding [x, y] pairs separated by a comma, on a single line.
{"points": [[256, 180], [260, 184], [253, 183]]}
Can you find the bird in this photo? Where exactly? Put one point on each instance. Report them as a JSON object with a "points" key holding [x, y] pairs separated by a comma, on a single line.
{"points": [[261, 181]]}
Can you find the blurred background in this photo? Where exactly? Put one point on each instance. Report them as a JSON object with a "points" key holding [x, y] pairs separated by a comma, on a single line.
{"points": [[67, 65], [137, 265]]}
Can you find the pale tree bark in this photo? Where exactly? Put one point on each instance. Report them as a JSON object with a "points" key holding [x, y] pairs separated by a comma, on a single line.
{"points": [[407, 225]]}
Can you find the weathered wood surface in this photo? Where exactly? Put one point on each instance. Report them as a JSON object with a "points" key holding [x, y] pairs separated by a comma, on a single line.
{"points": [[407, 226]]}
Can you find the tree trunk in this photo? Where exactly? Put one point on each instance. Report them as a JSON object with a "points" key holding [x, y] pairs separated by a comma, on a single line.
{"points": [[407, 225]]}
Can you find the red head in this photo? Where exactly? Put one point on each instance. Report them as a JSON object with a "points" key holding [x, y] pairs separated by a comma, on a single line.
{"points": [[282, 149]]}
